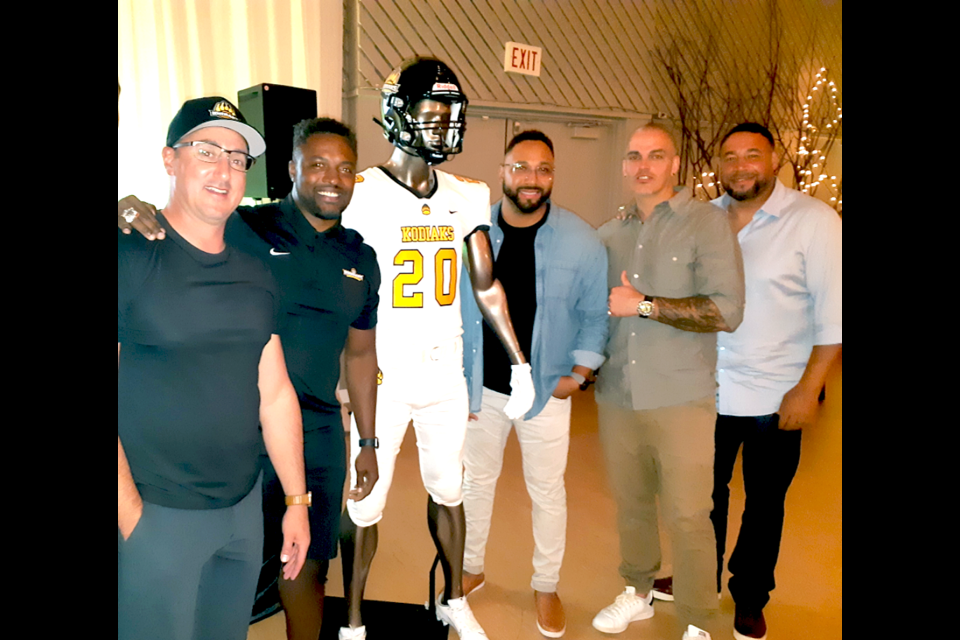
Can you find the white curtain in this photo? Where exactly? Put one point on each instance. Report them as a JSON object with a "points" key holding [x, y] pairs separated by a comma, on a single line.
{"points": [[169, 51]]}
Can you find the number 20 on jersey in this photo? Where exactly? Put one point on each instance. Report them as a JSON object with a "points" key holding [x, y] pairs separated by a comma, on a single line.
{"points": [[445, 277]]}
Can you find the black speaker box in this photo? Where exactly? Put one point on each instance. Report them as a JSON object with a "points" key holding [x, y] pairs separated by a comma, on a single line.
{"points": [[274, 110]]}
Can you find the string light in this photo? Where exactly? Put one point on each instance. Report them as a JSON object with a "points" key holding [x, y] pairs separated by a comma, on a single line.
{"points": [[810, 161], [820, 122]]}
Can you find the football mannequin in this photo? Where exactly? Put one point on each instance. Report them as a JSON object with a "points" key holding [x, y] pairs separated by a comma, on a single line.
{"points": [[418, 219]]}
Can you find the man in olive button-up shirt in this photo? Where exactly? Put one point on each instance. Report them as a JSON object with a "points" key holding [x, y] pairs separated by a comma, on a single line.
{"points": [[676, 278]]}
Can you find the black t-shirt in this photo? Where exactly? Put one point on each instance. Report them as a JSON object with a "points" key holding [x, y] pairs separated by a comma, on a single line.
{"points": [[516, 269], [192, 327], [329, 282]]}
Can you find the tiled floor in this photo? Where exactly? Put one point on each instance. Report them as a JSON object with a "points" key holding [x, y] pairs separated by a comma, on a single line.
{"points": [[808, 604]]}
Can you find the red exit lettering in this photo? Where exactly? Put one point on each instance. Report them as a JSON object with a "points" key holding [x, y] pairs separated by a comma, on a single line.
{"points": [[521, 58]]}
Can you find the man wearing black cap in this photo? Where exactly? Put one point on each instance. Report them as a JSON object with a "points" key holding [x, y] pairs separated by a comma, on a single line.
{"points": [[328, 282], [200, 367]]}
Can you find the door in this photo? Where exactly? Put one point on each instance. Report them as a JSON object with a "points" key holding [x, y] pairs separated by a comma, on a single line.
{"points": [[587, 180]]}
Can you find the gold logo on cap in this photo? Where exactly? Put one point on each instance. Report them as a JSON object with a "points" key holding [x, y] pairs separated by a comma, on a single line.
{"points": [[425, 210], [224, 109], [359, 179], [379, 377]]}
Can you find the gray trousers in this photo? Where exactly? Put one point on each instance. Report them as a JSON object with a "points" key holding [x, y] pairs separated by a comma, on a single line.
{"points": [[190, 575], [666, 453]]}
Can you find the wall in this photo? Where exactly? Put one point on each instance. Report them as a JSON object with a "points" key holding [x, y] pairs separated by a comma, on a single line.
{"points": [[598, 54], [600, 59], [169, 51]]}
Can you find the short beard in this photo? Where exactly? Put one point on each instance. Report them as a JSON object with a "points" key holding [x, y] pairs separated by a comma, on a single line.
{"points": [[514, 197], [750, 194]]}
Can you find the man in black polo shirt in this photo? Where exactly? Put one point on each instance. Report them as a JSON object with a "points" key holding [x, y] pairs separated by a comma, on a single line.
{"points": [[200, 368], [328, 282]]}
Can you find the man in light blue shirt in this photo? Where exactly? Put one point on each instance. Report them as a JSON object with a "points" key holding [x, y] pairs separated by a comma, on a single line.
{"points": [[773, 367], [553, 269]]}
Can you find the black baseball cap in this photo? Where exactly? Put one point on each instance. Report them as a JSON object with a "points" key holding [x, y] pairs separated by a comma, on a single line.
{"points": [[213, 112]]}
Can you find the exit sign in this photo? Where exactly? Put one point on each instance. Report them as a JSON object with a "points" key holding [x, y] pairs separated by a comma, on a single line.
{"points": [[522, 58]]}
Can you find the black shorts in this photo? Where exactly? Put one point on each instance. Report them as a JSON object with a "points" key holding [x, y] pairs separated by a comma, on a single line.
{"points": [[326, 464]]}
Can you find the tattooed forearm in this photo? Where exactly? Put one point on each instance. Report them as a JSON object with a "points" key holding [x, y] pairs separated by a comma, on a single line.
{"points": [[697, 315]]}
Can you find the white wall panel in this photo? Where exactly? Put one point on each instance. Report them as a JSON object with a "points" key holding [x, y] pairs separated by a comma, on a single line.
{"points": [[599, 55]]}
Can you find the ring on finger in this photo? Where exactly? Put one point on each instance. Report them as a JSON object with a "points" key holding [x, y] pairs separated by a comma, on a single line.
{"points": [[130, 214]]}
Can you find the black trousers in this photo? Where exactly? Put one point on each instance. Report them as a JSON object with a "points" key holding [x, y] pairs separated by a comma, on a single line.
{"points": [[190, 575], [770, 461]]}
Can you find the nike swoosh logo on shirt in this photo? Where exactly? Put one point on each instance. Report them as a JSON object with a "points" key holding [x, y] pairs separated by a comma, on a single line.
{"points": [[274, 252]]}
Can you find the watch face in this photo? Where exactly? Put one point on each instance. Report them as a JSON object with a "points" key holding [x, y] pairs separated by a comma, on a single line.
{"points": [[645, 308]]}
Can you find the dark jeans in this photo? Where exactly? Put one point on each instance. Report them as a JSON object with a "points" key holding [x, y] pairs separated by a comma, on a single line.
{"points": [[770, 461]]}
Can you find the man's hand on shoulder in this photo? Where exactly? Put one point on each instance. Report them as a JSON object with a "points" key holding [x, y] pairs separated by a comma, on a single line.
{"points": [[142, 216]]}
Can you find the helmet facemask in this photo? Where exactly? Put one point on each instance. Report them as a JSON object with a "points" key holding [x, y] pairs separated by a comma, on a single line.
{"points": [[433, 132], [434, 136]]}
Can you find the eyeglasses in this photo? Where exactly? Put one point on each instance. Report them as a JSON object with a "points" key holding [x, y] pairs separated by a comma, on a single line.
{"points": [[523, 169], [209, 152]]}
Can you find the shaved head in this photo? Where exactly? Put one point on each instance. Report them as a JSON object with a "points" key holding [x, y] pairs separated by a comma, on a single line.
{"points": [[666, 130]]}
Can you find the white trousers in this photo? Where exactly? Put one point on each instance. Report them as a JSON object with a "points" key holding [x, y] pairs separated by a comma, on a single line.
{"points": [[544, 444], [432, 393]]}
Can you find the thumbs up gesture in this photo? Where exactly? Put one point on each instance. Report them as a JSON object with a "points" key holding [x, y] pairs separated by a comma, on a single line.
{"points": [[624, 299]]}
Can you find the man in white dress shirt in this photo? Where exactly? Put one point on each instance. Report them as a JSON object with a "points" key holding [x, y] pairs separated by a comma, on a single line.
{"points": [[772, 369]]}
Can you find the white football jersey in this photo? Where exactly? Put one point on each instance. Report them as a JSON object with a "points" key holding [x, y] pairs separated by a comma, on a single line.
{"points": [[419, 245]]}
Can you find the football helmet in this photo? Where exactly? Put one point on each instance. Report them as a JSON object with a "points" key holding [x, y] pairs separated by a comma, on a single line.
{"points": [[417, 79]]}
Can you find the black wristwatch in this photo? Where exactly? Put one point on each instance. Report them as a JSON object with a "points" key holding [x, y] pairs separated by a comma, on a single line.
{"points": [[370, 442], [584, 382]]}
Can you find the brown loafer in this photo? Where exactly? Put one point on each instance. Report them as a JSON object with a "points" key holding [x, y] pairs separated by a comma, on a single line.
{"points": [[551, 620]]}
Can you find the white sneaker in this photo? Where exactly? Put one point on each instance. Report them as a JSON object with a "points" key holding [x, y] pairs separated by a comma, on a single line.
{"points": [[695, 633], [629, 607], [457, 614], [346, 633]]}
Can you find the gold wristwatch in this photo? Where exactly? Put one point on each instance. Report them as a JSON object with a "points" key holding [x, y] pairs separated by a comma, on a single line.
{"points": [[645, 307], [305, 500]]}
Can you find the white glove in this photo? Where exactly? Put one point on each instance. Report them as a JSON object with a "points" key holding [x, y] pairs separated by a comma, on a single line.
{"points": [[521, 384]]}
